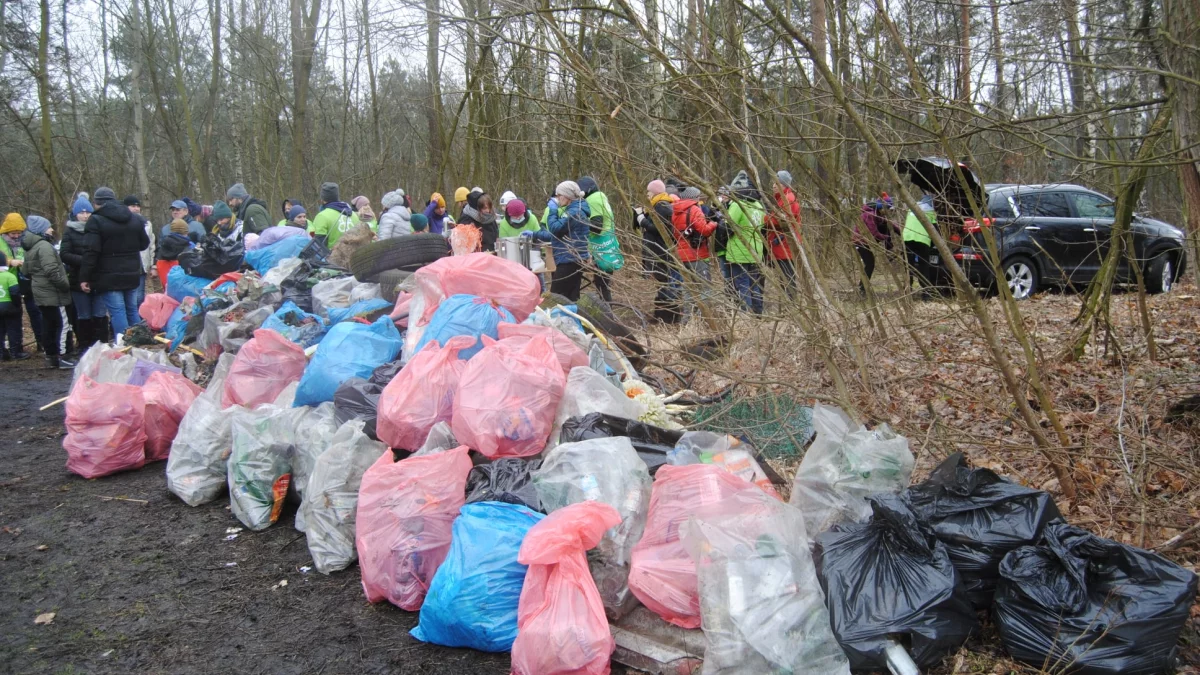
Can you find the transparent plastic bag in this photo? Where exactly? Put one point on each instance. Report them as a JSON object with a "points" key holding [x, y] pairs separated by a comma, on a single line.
{"points": [[761, 604], [505, 402], [662, 574], [843, 466], [260, 464], [330, 501], [315, 427], [723, 450], [605, 470], [264, 367], [197, 465], [232, 327], [341, 292], [168, 397], [587, 391], [561, 625], [568, 353], [463, 315], [349, 350], [440, 439], [404, 518], [282, 271], [105, 428], [421, 395]]}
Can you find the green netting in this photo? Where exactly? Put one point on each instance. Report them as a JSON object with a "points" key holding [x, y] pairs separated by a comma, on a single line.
{"points": [[776, 424]]}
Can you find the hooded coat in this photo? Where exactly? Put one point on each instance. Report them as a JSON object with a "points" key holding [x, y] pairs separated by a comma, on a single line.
{"points": [[691, 227], [397, 218], [51, 288], [253, 216], [71, 250], [334, 220], [114, 238], [779, 224]]}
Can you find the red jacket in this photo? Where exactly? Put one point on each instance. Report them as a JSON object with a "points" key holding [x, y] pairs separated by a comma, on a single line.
{"points": [[688, 215], [777, 233]]}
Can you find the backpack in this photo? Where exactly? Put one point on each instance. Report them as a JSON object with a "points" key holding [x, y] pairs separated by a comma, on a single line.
{"points": [[680, 221]]}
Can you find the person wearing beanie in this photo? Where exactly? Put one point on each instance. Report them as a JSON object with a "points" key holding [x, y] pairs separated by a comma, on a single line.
{"points": [[51, 289], [287, 209], [480, 213], [82, 311], [111, 268], [250, 213], [12, 339], [745, 250], [460, 198], [505, 198], [176, 241], [419, 223], [11, 231], [224, 224], [569, 219], [783, 227], [363, 213], [396, 220], [656, 256], [334, 219], [435, 213], [297, 216], [519, 221], [603, 246]]}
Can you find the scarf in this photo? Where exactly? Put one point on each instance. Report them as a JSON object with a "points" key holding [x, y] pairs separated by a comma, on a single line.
{"points": [[475, 216]]}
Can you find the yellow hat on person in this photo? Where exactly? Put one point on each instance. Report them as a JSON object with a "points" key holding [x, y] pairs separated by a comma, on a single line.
{"points": [[460, 195], [441, 201], [13, 222]]}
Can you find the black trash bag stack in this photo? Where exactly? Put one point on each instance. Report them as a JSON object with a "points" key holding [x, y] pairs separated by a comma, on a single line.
{"points": [[889, 578], [357, 398], [652, 443], [980, 517], [504, 480], [1086, 605], [213, 257]]}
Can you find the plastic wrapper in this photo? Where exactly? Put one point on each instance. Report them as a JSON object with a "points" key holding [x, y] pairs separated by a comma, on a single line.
{"points": [[560, 618], [105, 428], [331, 498], [569, 354], [604, 470], [358, 399], [260, 464], [197, 465], [264, 367], [1078, 603], [105, 365], [405, 513], [589, 392], [723, 450], [168, 396], [367, 310], [233, 327], [506, 283], [652, 443], [341, 292], [472, 601], [180, 284], [156, 309], [349, 350], [296, 325], [980, 517], [421, 395], [463, 315], [506, 398], [506, 480], [843, 466], [761, 604], [267, 257], [282, 271], [662, 574], [890, 579]]}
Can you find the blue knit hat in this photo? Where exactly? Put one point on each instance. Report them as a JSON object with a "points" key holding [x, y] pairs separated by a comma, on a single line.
{"points": [[37, 225], [82, 204], [296, 211]]}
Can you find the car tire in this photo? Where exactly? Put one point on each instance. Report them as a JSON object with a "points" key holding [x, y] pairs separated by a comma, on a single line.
{"points": [[409, 253], [1022, 277], [388, 282], [1161, 273]]}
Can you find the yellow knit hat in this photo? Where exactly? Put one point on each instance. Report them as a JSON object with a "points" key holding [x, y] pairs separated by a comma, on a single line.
{"points": [[13, 222], [460, 195], [441, 201]]}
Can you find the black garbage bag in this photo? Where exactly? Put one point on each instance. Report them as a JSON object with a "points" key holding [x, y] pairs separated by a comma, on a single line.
{"points": [[1081, 604], [357, 398], [213, 257], [652, 443], [980, 517], [385, 373], [504, 480], [890, 578]]}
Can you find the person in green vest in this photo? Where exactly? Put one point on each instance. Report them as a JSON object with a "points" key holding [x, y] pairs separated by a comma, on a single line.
{"points": [[744, 251], [919, 252], [10, 314], [334, 219], [519, 219], [602, 239], [287, 210], [11, 231]]}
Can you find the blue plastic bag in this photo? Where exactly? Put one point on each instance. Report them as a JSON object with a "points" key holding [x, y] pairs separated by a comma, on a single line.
{"points": [[464, 315], [296, 325], [348, 350], [472, 600], [180, 284], [267, 258], [360, 308]]}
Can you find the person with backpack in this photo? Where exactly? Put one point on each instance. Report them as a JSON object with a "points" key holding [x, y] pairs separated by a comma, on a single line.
{"points": [[12, 338], [51, 288], [657, 260], [603, 245], [335, 218], [114, 238], [252, 214], [89, 318], [691, 230], [782, 225], [744, 252]]}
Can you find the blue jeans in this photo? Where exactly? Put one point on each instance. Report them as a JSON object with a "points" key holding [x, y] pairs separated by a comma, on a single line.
{"points": [[747, 279], [122, 308], [86, 305]]}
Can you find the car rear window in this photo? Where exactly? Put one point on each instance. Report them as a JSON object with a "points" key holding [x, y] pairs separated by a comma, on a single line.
{"points": [[1088, 205], [1043, 204]]}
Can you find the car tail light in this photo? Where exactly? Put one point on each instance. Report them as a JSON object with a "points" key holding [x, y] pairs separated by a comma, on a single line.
{"points": [[972, 226], [967, 256]]}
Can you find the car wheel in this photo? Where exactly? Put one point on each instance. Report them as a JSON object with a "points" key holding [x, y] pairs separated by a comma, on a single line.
{"points": [[389, 281], [1160, 277], [1022, 277], [409, 252]]}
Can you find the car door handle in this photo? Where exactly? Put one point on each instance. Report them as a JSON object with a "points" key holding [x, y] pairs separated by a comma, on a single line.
{"points": [[1032, 227]]}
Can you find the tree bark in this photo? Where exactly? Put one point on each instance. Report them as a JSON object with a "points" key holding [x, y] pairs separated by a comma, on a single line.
{"points": [[304, 33], [437, 150], [139, 133], [49, 167]]}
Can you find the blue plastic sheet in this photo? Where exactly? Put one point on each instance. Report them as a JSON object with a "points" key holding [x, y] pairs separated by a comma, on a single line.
{"points": [[267, 258], [472, 600], [285, 319], [360, 308], [180, 284], [348, 350], [464, 315]]}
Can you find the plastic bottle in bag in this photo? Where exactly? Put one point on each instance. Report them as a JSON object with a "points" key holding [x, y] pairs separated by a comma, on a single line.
{"points": [[723, 450], [331, 498], [587, 391]]}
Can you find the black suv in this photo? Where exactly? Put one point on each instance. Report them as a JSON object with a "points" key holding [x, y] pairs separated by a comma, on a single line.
{"points": [[1058, 235]]}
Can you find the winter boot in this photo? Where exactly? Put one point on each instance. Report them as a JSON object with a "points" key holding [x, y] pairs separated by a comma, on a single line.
{"points": [[58, 363], [5, 356], [69, 349], [100, 330]]}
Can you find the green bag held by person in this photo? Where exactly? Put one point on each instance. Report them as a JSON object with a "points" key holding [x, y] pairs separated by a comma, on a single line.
{"points": [[603, 246]]}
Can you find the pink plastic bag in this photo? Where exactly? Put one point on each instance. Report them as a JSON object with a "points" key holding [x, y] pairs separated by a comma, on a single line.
{"points": [[560, 619], [105, 428], [661, 572], [168, 397], [568, 353], [264, 367], [402, 527], [400, 311], [504, 282], [422, 394], [156, 309], [506, 398]]}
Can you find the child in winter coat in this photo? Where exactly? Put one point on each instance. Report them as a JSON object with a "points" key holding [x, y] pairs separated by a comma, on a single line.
{"points": [[396, 220], [11, 338]]}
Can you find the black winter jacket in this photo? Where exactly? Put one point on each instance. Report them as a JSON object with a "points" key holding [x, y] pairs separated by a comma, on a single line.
{"points": [[114, 240], [170, 246], [71, 250]]}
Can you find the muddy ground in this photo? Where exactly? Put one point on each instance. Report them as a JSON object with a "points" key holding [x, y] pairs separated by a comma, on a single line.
{"points": [[152, 588]]}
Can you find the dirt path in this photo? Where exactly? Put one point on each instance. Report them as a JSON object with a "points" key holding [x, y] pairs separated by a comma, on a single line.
{"points": [[156, 587]]}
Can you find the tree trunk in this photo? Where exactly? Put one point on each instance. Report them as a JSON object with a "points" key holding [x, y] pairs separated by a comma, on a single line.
{"points": [[964, 52], [304, 33], [139, 133], [377, 151], [78, 149], [437, 150], [49, 167], [1181, 21], [199, 170], [1076, 75]]}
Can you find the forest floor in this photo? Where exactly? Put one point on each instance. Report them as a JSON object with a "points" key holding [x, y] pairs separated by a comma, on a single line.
{"points": [[156, 586]]}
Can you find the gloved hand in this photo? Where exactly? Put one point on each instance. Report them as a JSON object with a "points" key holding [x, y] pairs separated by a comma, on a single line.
{"points": [[526, 235], [552, 205]]}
